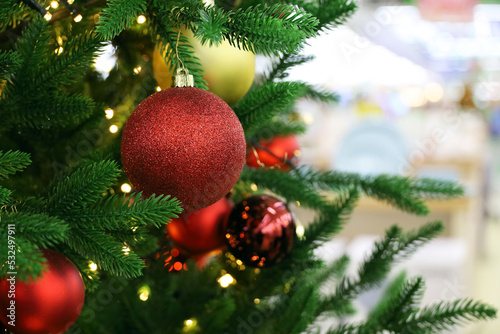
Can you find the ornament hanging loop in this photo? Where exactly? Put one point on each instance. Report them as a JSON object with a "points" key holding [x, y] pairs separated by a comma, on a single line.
{"points": [[183, 78]]}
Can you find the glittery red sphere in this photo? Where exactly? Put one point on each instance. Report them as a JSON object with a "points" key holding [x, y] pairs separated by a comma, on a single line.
{"points": [[184, 142], [260, 231], [277, 153], [48, 305], [203, 230]]}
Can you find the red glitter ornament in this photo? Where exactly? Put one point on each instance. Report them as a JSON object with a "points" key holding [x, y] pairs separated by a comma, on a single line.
{"points": [[48, 305], [184, 142], [260, 231], [203, 230], [279, 153]]}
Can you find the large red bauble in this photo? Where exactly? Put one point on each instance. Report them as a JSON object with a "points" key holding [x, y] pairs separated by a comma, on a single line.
{"points": [[203, 230], [260, 231], [48, 305], [280, 152], [184, 142]]}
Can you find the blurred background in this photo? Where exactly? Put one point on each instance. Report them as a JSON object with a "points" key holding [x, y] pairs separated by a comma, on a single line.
{"points": [[419, 91]]}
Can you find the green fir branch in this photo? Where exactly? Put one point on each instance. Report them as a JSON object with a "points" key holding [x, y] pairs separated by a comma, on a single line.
{"points": [[334, 271], [285, 185], [73, 63], [165, 35], [186, 13], [7, 7], [400, 306], [12, 162], [298, 308], [331, 218], [33, 48], [104, 251], [444, 315], [300, 311], [259, 106], [5, 195], [223, 307], [123, 212], [401, 192], [82, 188], [273, 129], [211, 26], [39, 229], [261, 30], [394, 247], [119, 15], [14, 13], [267, 30], [390, 293], [329, 13], [9, 62], [345, 329], [320, 95], [28, 258], [280, 67], [432, 189], [50, 111], [32, 97]]}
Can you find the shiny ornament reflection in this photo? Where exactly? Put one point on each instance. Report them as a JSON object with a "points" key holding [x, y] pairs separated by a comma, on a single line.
{"points": [[260, 231]]}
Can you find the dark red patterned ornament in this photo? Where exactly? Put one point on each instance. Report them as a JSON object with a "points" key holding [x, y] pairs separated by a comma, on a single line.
{"points": [[185, 142], [260, 231], [48, 305]]}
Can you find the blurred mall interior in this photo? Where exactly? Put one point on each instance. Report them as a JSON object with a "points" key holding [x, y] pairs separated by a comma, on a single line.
{"points": [[419, 90]]}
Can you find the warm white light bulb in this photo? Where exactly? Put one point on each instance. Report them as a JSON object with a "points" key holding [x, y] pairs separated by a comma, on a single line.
{"points": [[126, 188], [226, 280], [92, 266], [141, 19], [109, 113]]}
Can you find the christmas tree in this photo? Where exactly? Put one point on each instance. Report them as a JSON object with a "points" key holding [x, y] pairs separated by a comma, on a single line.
{"points": [[65, 151]]}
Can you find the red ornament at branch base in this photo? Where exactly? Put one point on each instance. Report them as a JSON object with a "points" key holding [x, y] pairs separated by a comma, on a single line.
{"points": [[184, 142], [260, 231], [203, 230], [48, 305], [176, 259], [279, 153]]}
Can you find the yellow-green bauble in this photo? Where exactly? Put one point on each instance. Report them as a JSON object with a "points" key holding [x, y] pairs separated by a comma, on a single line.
{"points": [[229, 71]]}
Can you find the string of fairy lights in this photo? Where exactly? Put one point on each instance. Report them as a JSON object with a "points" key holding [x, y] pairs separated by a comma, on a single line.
{"points": [[47, 15]]}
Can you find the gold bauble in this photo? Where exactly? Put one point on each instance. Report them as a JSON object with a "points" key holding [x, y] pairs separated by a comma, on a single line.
{"points": [[229, 71]]}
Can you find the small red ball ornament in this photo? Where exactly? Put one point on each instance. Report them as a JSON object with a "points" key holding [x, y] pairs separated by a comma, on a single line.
{"points": [[280, 153], [48, 305], [203, 230], [260, 231], [185, 142]]}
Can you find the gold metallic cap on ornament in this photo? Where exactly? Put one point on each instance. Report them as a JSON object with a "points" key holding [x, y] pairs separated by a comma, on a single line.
{"points": [[183, 78]]}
